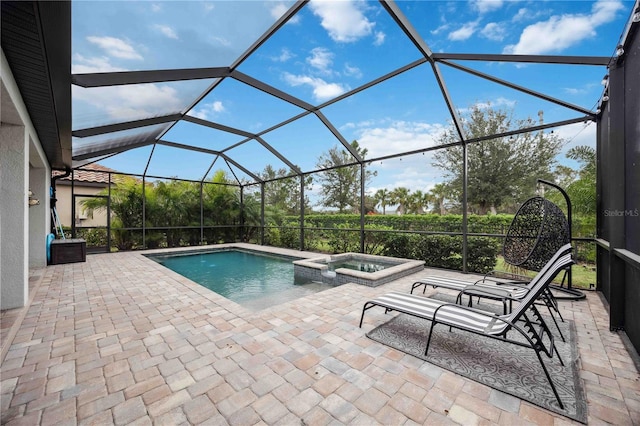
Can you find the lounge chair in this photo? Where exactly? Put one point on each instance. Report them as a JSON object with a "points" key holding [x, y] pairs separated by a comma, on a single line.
{"points": [[503, 290], [523, 318]]}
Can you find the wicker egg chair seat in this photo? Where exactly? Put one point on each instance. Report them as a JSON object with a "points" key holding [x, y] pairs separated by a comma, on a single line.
{"points": [[537, 231]]}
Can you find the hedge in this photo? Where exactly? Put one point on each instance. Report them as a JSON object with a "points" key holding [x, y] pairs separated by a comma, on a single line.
{"points": [[444, 251], [481, 224]]}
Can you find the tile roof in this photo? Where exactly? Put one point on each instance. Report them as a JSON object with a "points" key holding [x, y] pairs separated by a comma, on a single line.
{"points": [[94, 173]]}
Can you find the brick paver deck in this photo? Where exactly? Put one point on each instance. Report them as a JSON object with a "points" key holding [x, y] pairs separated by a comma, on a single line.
{"points": [[121, 340]]}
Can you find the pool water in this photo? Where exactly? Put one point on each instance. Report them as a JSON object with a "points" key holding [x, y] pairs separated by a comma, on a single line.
{"points": [[252, 280], [357, 265]]}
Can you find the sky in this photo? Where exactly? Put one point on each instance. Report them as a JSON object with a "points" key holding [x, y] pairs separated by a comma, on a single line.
{"points": [[329, 48]]}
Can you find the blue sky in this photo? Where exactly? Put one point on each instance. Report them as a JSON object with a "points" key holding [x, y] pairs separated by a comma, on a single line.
{"points": [[327, 49]]}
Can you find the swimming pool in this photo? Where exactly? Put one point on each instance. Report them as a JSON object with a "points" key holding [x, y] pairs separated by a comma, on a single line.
{"points": [[253, 280]]}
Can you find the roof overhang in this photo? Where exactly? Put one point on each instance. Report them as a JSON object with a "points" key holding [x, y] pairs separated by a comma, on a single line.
{"points": [[36, 40]]}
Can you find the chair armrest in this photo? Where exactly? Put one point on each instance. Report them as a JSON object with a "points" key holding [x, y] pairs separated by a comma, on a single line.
{"points": [[490, 293], [453, 308], [509, 276]]}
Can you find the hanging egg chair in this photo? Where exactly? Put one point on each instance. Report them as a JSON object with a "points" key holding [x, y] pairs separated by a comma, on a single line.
{"points": [[537, 231]]}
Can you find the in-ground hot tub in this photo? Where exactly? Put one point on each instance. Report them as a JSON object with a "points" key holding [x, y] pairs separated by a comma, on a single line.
{"points": [[356, 268]]}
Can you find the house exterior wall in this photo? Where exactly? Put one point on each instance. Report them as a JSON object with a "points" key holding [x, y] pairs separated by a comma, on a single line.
{"points": [[64, 205], [23, 165]]}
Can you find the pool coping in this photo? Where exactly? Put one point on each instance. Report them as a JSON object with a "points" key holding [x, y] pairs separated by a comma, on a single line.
{"points": [[285, 252]]}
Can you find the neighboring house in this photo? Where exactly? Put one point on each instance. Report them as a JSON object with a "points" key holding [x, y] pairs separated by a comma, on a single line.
{"points": [[90, 182]]}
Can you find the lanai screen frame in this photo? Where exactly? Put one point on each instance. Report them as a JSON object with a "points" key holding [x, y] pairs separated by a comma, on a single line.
{"points": [[434, 60]]}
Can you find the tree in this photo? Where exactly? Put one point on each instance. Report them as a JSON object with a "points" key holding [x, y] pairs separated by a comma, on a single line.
{"points": [[126, 209], [381, 198], [282, 191], [582, 191], [173, 204], [565, 175], [220, 201], [439, 193], [501, 170], [418, 202], [400, 196], [340, 184]]}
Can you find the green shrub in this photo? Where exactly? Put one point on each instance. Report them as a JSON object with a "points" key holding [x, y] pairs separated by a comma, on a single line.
{"points": [[287, 236], [290, 235], [374, 242], [482, 254], [95, 237], [444, 251], [441, 251], [399, 245], [343, 239], [272, 236]]}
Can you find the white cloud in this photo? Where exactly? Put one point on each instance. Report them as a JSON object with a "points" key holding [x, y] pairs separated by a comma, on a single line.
{"points": [[221, 41], [126, 103], [574, 91], [155, 7], [321, 59], [414, 172], [498, 102], [441, 28], [285, 55], [352, 71], [82, 64], [279, 9], [322, 90], [343, 20], [115, 47], [464, 32], [166, 31], [379, 38], [207, 111], [560, 32], [208, 7], [493, 31], [523, 13], [575, 135], [398, 136], [484, 6]]}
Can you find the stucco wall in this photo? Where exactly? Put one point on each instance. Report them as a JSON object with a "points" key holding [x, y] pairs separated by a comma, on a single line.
{"points": [[64, 206]]}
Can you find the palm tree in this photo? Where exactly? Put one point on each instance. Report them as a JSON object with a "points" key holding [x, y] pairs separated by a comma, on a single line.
{"points": [[439, 193], [381, 197], [126, 210], [419, 202], [400, 196]]}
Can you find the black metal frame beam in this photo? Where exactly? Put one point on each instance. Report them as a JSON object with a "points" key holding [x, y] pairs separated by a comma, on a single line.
{"points": [[247, 135], [263, 87], [212, 125], [127, 125], [267, 35], [104, 79], [209, 151], [110, 149], [518, 88], [422, 46], [544, 59]]}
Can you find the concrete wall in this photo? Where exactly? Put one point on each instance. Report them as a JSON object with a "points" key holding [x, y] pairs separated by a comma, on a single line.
{"points": [[23, 165]]}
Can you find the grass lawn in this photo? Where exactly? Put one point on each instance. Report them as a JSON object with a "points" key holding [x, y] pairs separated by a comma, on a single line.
{"points": [[582, 274]]}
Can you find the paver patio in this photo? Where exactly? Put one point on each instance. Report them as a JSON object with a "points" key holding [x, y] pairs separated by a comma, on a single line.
{"points": [[122, 340]]}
